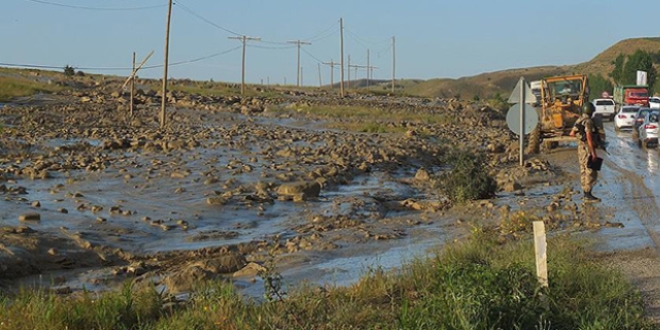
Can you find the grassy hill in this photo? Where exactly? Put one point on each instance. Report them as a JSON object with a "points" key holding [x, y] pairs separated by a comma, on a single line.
{"points": [[487, 85]]}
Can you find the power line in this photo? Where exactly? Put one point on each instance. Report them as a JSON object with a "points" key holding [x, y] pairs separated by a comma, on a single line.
{"points": [[199, 59], [270, 47], [364, 39], [191, 12], [95, 8], [332, 30], [312, 56]]}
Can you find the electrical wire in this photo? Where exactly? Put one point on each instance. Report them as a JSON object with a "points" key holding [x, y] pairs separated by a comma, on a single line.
{"points": [[269, 47], [95, 8], [310, 55], [363, 39], [192, 12], [37, 66], [317, 35]]}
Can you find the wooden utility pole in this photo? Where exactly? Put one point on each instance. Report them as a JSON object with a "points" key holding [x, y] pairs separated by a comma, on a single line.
{"points": [[320, 81], [244, 39], [393, 62], [299, 43], [167, 54], [368, 68], [341, 32], [349, 72], [332, 71], [130, 106]]}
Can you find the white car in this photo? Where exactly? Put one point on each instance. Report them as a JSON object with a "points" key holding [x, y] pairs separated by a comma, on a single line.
{"points": [[606, 108], [654, 102], [625, 118], [648, 130]]}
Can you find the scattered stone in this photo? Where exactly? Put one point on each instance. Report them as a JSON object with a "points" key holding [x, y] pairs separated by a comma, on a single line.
{"points": [[30, 217]]}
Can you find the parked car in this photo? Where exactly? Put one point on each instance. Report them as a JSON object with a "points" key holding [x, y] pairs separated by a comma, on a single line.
{"points": [[625, 117], [654, 102], [606, 108], [639, 119], [648, 130]]}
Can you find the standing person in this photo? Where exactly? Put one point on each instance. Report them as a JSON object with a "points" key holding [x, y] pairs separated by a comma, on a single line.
{"points": [[587, 133]]}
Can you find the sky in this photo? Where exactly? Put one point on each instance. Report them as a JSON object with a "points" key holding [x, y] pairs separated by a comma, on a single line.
{"points": [[433, 38]]}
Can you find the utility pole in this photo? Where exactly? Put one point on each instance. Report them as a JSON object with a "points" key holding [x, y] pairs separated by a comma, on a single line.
{"points": [[130, 107], [393, 62], [244, 39], [341, 32], [368, 68], [299, 43], [349, 71], [332, 71], [301, 76], [320, 81], [167, 54]]}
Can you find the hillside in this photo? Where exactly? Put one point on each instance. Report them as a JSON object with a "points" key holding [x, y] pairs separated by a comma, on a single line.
{"points": [[487, 85]]}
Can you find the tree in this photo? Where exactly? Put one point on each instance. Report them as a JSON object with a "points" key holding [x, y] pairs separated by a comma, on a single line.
{"points": [[599, 84], [642, 61], [617, 72], [69, 71]]}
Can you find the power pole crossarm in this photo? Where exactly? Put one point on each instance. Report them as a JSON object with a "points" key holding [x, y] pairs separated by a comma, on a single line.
{"points": [[244, 39], [299, 43]]}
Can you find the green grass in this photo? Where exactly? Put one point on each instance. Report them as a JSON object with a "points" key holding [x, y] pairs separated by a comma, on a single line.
{"points": [[11, 88], [475, 284]]}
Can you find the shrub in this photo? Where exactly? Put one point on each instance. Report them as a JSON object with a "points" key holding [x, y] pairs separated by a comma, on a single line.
{"points": [[69, 71], [468, 178]]}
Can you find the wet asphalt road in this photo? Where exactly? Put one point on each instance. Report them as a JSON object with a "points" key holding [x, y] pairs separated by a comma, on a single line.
{"points": [[629, 186]]}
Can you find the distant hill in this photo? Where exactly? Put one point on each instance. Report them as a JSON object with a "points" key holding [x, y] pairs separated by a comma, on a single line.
{"points": [[488, 84]]}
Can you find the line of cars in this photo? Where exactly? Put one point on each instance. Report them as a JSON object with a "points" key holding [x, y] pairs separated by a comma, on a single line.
{"points": [[643, 121]]}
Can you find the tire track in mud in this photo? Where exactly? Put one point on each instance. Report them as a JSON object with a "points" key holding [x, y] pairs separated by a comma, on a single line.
{"points": [[643, 200]]}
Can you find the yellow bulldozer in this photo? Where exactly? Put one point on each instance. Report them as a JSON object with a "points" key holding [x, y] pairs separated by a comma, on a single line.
{"points": [[561, 102]]}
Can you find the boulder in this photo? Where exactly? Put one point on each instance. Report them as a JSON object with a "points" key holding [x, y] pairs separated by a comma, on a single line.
{"points": [[300, 190]]}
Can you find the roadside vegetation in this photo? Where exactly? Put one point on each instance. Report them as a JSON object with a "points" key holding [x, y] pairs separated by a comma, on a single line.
{"points": [[13, 87], [474, 284], [468, 178]]}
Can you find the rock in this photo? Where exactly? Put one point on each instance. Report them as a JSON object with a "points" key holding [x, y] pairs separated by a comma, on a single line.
{"points": [[223, 264], [250, 270], [511, 186], [422, 175], [301, 190], [185, 279], [29, 217], [36, 204]]}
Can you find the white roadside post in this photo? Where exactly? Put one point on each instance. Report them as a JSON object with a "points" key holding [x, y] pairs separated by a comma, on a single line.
{"points": [[541, 253]]}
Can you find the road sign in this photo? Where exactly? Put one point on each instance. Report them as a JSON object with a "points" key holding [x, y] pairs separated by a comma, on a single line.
{"points": [[513, 118], [605, 95], [515, 95]]}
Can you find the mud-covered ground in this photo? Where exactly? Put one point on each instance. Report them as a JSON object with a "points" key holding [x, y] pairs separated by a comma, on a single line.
{"points": [[92, 197]]}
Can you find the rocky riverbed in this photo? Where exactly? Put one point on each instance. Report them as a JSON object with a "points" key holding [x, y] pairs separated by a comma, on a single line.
{"points": [[92, 196]]}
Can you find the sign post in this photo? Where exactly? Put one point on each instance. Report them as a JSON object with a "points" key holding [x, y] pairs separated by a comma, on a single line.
{"points": [[522, 95]]}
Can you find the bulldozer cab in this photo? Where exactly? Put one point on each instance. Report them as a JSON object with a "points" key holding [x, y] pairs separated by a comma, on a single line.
{"points": [[562, 99]]}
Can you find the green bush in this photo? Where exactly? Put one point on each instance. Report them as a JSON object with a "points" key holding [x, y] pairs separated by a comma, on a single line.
{"points": [[468, 178]]}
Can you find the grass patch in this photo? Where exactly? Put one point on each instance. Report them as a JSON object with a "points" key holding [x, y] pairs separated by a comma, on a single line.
{"points": [[475, 284], [11, 88]]}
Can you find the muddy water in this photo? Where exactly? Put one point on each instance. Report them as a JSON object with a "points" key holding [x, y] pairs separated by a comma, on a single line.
{"points": [[117, 208], [629, 185]]}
